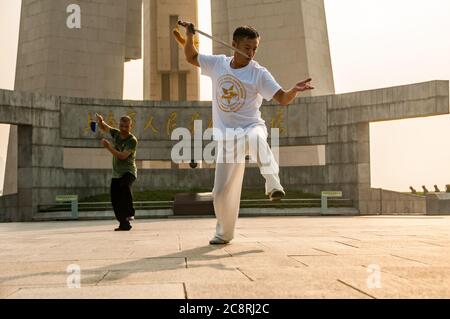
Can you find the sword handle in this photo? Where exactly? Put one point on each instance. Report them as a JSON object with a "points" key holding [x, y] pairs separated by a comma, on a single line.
{"points": [[190, 26]]}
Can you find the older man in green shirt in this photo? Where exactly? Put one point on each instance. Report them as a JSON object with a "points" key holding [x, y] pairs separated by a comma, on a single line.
{"points": [[123, 149]]}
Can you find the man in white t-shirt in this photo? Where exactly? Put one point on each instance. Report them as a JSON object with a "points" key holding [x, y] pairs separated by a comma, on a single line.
{"points": [[239, 86]]}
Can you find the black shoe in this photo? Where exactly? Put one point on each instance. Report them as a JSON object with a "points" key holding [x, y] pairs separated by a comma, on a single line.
{"points": [[276, 195], [121, 228]]}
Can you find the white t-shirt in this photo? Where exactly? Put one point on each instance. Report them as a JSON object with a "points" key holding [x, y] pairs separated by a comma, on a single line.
{"points": [[237, 93]]}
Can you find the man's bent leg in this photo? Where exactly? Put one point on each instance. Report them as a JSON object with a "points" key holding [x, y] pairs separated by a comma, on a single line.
{"points": [[260, 151]]}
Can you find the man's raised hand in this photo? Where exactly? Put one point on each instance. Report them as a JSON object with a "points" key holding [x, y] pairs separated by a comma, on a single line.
{"points": [[99, 118], [190, 28], [105, 143]]}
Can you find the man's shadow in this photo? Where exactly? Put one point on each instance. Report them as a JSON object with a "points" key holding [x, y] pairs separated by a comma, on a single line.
{"points": [[181, 259], [122, 270]]}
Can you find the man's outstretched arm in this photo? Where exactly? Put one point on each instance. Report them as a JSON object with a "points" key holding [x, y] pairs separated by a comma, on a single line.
{"points": [[190, 51], [101, 123], [286, 97]]}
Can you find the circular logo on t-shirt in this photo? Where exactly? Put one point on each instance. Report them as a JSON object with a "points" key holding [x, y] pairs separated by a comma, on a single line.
{"points": [[231, 93]]}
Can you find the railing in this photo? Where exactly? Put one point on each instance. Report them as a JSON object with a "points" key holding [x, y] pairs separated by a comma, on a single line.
{"points": [[154, 205], [102, 206]]}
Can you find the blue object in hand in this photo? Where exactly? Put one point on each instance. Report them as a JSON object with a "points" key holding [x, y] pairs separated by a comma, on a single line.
{"points": [[93, 126]]}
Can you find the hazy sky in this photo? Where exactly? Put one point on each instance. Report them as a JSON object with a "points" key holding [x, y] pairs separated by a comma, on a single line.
{"points": [[374, 43]]}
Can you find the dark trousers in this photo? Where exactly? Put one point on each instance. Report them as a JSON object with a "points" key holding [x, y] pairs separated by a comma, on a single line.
{"points": [[122, 198]]}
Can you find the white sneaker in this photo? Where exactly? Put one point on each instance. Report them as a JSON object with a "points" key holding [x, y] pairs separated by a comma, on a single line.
{"points": [[130, 219], [218, 241], [276, 195]]}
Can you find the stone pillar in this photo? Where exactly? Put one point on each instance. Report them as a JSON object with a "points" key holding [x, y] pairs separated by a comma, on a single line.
{"points": [[83, 62], [294, 38], [167, 75], [24, 173], [10, 182], [368, 200]]}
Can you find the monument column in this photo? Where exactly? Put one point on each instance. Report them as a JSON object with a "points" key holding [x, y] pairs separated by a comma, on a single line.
{"points": [[167, 75], [77, 47], [294, 38]]}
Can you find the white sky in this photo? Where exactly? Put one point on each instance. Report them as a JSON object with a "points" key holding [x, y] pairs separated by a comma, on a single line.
{"points": [[374, 43]]}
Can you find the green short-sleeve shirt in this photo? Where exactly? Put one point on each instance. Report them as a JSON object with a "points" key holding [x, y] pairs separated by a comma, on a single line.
{"points": [[121, 167]]}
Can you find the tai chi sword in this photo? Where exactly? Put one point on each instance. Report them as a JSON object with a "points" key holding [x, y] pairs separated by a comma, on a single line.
{"points": [[193, 30]]}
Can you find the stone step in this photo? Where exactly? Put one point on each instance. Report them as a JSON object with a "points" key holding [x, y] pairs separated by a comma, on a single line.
{"points": [[168, 213], [188, 204]]}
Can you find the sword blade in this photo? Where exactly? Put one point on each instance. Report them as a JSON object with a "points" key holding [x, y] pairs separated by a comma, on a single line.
{"points": [[222, 42], [185, 24]]}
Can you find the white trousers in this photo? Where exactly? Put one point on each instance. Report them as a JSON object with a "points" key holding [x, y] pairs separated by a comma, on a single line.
{"points": [[229, 175]]}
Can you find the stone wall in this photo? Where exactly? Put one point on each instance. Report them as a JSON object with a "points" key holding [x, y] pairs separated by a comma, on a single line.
{"points": [[438, 203], [47, 124], [385, 202]]}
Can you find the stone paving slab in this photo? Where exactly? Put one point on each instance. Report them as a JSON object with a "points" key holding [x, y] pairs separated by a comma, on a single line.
{"points": [[247, 261], [154, 291], [201, 274], [6, 291], [277, 290], [433, 274], [271, 257], [332, 261]]}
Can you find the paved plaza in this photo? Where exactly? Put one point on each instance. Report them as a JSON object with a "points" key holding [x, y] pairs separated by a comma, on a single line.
{"points": [[271, 257]]}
